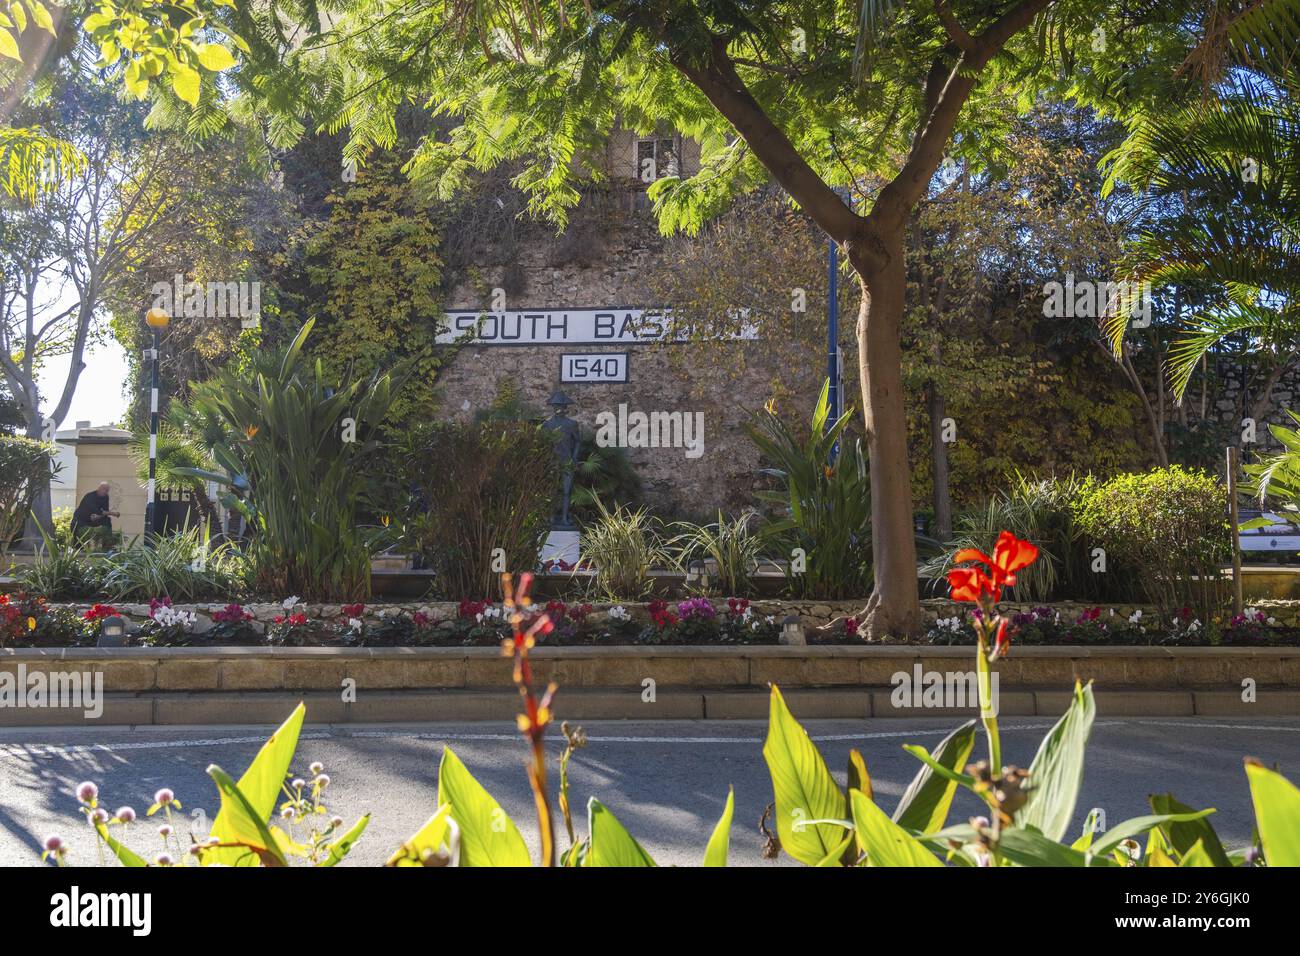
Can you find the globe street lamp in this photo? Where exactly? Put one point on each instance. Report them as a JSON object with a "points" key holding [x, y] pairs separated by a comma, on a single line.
{"points": [[157, 319]]}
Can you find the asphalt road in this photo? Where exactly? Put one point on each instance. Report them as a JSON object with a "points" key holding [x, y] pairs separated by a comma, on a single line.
{"points": [[665, 780]]}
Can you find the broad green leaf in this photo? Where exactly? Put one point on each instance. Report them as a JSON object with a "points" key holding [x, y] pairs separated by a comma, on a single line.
{"points": [[488, 837], [1089, 832], [9, 46], [836, 856], [260, 786], [1138, 825], [803, 787], [214, 57], [123, 853], [1196, 856], [611, 844], [137, 84], [1158, 857], [1023, 847], [925, 803], [715, 854], [343, 845], [185, 82], [41, 16], [438, 829], [1057, 770], [1182, 835], [19, 15], [883, 840], [1277, 814], [242, 825]]}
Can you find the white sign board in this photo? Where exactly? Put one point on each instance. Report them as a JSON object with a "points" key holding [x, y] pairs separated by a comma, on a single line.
{"points": [[615, 326], [596, 367]]}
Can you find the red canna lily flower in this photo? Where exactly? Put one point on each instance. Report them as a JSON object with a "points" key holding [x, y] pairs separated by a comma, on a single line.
{"points": [[1010, 555], [971, 584]]}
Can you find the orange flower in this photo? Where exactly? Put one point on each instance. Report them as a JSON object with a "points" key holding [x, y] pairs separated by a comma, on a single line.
{"points": [[1010, 555]]}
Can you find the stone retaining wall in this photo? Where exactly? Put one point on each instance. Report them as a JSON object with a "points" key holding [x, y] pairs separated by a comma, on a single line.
{"points": [[252, 685]]}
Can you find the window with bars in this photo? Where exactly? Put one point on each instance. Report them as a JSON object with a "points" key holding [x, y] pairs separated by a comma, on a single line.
{"points": [[656, 158]]}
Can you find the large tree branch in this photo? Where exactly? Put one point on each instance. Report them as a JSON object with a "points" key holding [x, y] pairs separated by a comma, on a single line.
{"points": [[946, 93], [717, 79]]}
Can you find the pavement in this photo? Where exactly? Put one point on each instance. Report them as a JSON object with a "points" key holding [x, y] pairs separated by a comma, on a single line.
{"points": [[665, 780]]}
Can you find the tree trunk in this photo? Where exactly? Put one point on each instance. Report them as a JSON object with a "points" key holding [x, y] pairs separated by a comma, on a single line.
{"points": [[939, 463], [41, 514], [894, 609]]}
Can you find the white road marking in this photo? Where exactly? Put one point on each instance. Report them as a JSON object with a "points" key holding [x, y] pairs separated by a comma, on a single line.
{"points": [[74, 750]]}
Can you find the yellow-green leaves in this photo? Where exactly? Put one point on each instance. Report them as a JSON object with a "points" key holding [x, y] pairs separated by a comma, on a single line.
{"points": [[438, 835], [343, 845], [1277, 814], [259, 789], [803, 787], [884, 841], [185, 82], [1057, 770], [124, 855], [215, 57], [241, 824], [487, 836], [924, 805], [715, 854], [611, 844]]}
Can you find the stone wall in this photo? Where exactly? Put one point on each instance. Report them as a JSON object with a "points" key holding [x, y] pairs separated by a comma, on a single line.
{"points": [[606, 267]]}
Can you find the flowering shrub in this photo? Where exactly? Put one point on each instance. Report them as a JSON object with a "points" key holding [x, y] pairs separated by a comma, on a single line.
{"points": [[28, 621], [291, 630], [167, 626]]}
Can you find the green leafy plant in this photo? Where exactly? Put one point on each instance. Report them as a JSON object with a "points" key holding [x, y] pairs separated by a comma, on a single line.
{"points": [[1039, 509], [63, 569], [477, 488], [242, 834], [730, 548], [622, 546], [1167, 529], [294, 454], [179, 566], [825, 510], [25, 466]]}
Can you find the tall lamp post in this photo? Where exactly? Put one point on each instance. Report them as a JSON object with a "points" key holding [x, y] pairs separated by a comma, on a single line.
{"points": [[833, 325], [157, 320]]}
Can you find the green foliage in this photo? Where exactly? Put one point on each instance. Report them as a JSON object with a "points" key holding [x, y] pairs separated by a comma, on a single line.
{"points": [[294, 452], [1165, 528], [180, 566], [1277, 477], [1040, 510], [623, 546], [730, 548], [63, 569], [370, 273], [476, 488], [825, 510], [26, 466]]}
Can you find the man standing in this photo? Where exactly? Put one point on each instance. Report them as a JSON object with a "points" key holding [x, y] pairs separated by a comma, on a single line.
{"points": [[93, 512]]}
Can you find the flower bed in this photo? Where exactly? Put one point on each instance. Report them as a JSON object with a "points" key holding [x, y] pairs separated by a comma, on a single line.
{"points": [[27, 621]]}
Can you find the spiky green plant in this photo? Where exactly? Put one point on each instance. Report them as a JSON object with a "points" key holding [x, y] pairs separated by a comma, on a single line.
{"points": [[294, 453], [732, 545], [623, 546]]}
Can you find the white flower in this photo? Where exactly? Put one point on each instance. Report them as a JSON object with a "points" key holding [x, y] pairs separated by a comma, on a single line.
{"points": [[169, 617], [1194, 626], [1272, 621], [479, 617], [355, 624], [288, 603], [770, 619], [1135, 617], [618, 613]]}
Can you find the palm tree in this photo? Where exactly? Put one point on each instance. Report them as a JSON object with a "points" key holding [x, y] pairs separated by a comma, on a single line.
{"points": [[1223, 177]]}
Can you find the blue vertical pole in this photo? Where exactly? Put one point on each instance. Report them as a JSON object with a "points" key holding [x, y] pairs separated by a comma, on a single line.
{"points": [[833, 336]]}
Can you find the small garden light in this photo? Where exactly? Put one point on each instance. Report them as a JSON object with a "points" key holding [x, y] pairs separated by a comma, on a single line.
{"points": [[112, 632], [791, 632]]}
